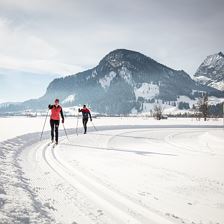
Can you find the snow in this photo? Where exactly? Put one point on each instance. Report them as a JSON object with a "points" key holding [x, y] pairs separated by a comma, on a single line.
{"points": [[212, 83], [147, 107], [94, 73], [218, 85], [174, 110], [35, 124], [126, 75], [202, 79], [105, 82], [166, 108], [211, 71], [69, 99], [131, 170], [197, 91], [212, 100], [147, 91], [186, 99], [134, 111], [215, 100], [213, 60]]}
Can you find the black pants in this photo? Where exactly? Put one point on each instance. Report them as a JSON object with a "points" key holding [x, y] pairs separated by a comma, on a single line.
{"points": [[84, 121], [54, 127]]}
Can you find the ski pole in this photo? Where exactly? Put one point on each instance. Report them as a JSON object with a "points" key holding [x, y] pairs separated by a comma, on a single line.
{"points": [[77, 124], [94, 126], [65, 131], [44, 126]]}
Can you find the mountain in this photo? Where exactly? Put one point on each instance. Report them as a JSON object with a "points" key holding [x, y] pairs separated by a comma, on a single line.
{"points": [[211, 71], [124, 81]]}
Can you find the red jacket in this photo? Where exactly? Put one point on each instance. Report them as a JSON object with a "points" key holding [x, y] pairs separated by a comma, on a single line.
{"points": [[55, 112], [85, 110], [85, 113]]}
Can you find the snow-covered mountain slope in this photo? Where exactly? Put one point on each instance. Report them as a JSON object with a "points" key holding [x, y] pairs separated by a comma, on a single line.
{"points": [[69, 99], [122, 82], [211, 71]]}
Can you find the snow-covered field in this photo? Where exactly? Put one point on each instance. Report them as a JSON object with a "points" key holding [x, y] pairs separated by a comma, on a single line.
{"points": [[131, 170]]}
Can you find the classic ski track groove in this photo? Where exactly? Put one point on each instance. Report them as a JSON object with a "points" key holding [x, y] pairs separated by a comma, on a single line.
{"points": [[107, 185], [168, 139], [73, 182], [39, 152], [92, 188]]}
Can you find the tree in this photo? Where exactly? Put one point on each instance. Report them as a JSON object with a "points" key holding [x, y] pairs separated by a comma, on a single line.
{"points": [[203, 105], [152, 100], [157, 111], [183, 105], [216, 110]]}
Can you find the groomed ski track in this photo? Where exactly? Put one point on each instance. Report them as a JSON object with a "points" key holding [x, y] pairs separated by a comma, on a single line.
{"points": [[69, 192]]}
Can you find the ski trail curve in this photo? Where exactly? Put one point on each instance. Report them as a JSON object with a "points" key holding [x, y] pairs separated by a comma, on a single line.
{"points": [[113, 203], [117, 204]]}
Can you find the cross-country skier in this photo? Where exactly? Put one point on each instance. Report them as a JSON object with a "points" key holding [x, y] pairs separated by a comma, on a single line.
{"points": [[85, 116], [56, 111]]}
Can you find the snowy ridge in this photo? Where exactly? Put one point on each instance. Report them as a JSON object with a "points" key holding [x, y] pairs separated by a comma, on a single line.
{"points": [[105, 82], [211, 71], [215, 60], [202, 79], [217, 85], [69, 99], [126, 75]]}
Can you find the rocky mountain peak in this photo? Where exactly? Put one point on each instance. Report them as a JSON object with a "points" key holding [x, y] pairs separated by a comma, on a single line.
{"points": [[122, 57], [221, 54], [211, 71]]}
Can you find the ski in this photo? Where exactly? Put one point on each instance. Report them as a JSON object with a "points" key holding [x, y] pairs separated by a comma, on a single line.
{"points": [[54, 145], [50, 143]]}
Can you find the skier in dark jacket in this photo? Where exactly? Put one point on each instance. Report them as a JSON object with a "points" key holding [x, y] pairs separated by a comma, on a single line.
{"points": [[56, 111], [85, 116]]}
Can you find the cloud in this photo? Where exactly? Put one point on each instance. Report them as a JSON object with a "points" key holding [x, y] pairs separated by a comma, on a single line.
{"points": [[24, 51], [38, 66], [67, 36], [16, 41]]}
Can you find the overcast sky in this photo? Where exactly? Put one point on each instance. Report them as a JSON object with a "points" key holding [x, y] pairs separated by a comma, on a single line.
{"points": [[67, 36]]}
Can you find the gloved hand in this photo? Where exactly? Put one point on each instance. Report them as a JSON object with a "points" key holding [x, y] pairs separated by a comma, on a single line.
{"points": [[63, 121], [91, 119], [49, 106]]}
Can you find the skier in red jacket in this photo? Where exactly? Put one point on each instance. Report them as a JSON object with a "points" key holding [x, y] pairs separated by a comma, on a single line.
{"points": [[85, 116], [56, 111]]}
